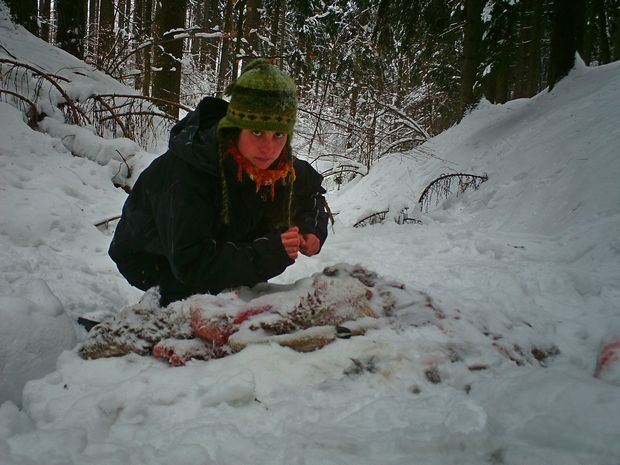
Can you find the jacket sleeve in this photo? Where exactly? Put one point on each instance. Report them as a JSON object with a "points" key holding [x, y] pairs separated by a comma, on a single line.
{"points": [[310, 213], [185, 221]]}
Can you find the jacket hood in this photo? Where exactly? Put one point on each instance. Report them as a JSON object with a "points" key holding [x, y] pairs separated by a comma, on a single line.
{"points": [[194, 138]]}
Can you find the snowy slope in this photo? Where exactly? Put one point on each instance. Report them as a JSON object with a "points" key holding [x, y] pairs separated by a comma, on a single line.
{"points": [[530, 260], [549, 146], [53, 190]]}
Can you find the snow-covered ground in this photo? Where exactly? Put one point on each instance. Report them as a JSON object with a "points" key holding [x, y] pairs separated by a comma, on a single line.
{"points": [[523, 277]]}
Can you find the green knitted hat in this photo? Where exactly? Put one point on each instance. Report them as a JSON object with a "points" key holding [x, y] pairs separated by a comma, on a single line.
{"points": [[262, 98]]}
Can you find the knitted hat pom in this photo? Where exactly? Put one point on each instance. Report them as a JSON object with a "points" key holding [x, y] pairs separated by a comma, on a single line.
{"points": [[257, 63]]}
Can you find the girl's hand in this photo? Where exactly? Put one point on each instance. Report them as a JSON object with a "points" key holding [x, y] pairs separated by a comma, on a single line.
{"points": [[291, 242], [309, 244]]}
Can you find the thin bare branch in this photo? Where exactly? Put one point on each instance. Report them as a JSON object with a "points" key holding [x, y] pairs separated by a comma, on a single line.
{"points": [[52, 80], [150, 99], [441, 187], [34, 115], [126, 132], [107, 221]]}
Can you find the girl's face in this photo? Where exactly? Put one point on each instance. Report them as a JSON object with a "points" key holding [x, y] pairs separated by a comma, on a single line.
{"points": [[261, 148]]}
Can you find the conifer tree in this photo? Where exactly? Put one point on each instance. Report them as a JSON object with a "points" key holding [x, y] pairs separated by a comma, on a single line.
{"points": [[71, 29], [210, 20], [24, 12], [563, 39], [226, 48], [251, 28], [168, 55], [472, 43], [144, 27]]}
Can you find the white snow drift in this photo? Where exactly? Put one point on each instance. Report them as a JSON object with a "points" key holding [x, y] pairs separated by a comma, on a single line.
{"points": [[530, 260]]}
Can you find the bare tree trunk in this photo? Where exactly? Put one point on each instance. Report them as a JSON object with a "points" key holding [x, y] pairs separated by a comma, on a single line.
{"points": [[370, 139], [281, 34], [120, 11], [616, 34], [90, 48], [563, 46], [147, 29], [502, 91], [208, 51], [471, 51], [355, 93], [128, 15], [605, 56], [105, 50], [225, 54], [278, 16], [252, 26], [585, 48], [581, 19], [193, 19], [167, 80], [501, 41], [139, 37], [533, 70], [238, 38], [524, 27], [527, 72], [45, 16]]}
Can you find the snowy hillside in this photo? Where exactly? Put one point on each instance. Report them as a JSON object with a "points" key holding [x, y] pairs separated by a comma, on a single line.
{"points": [[513, 288]]}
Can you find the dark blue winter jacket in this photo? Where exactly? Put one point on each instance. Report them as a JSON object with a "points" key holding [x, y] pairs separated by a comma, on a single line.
{"points": [[171, 234]]}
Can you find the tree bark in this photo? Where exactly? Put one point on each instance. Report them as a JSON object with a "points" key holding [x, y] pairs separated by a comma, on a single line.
{"points": [[194, 19], [251, 27], [501, 43], [585, 48], [105, 42], [534, 55], [167, 79], [605, 55], [224, 65], [616, 33], [139, 37], [502, 79], [128, 15], [282, 33], [563, 40], [121, 5], [71, 29], [147, 53], [581, 19], [278, 13], [472, 39], [527, 74], [355, 93], [238, 37], [523, 38], [208, 51], [45, 17], [90, 45]]}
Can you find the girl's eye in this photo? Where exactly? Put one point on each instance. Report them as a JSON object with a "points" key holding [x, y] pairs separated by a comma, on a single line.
{"points": [[257, 133], [279, 135]]}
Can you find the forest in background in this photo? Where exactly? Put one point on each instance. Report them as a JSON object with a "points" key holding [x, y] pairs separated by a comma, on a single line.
{"points": [[374, 76]]}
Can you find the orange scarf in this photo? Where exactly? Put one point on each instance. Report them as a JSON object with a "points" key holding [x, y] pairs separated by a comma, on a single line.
{"points": [[283, 169]]}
